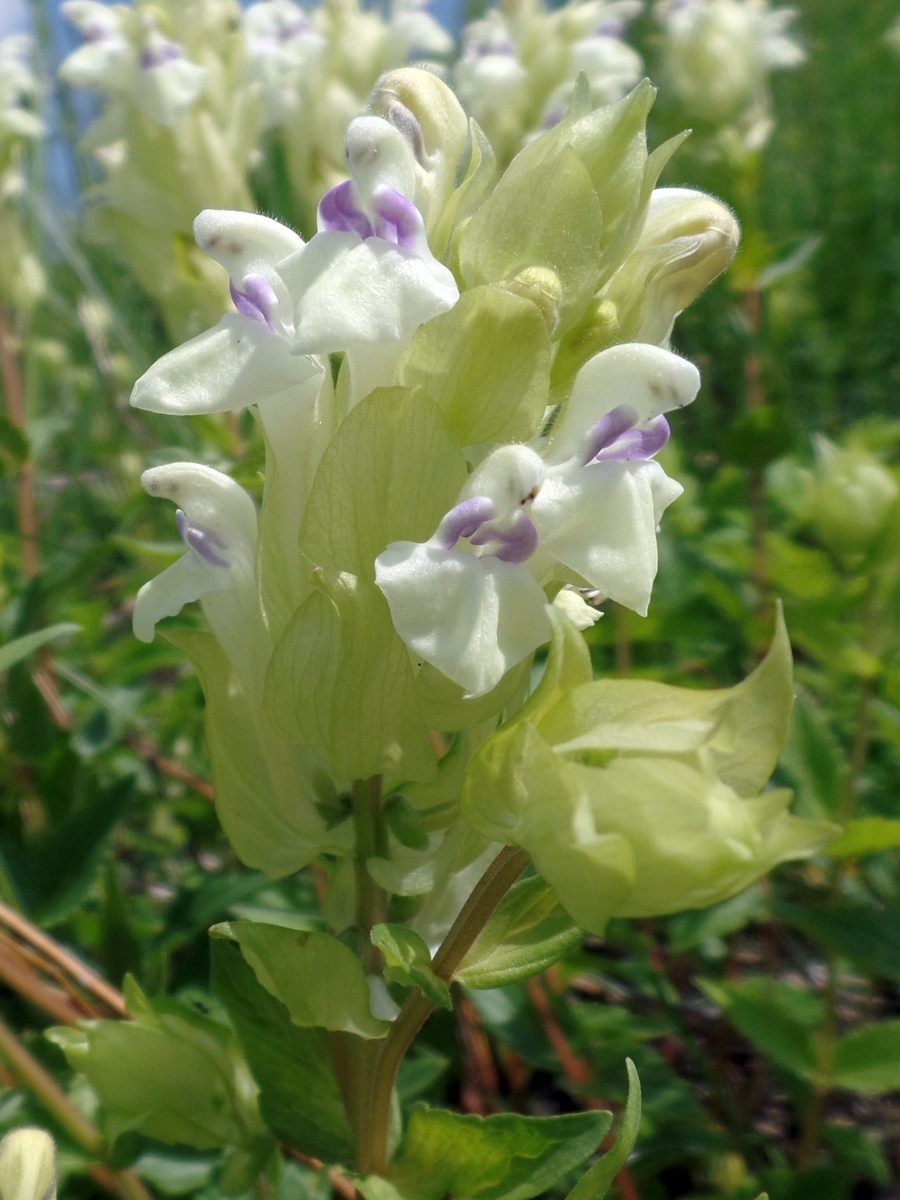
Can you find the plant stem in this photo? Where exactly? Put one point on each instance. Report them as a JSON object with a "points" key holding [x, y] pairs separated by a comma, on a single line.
{"points": [[475, 914]]}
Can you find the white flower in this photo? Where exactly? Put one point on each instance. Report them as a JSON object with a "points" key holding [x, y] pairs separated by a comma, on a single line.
{"points": [[719, 52], [367, 280], [217, 523], [107, 61], [283, 50], [17, 84], [470, 600], [411, 30], [246, 358], [150, 68], [166, 82]]}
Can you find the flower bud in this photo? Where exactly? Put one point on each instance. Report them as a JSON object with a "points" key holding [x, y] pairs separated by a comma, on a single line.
{"points": [[851, 494], [431, 119], [542, 287], [28, 1165], [688, 240]]}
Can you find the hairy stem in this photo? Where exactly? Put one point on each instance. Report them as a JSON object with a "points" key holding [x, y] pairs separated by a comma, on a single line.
{"points": [[475, 914]]}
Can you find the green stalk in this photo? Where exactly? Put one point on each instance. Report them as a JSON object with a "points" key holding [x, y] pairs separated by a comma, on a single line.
{"points": [[476, 912]]}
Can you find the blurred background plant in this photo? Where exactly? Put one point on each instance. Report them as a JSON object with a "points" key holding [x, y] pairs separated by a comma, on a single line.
{"points": [[767, 1029]]}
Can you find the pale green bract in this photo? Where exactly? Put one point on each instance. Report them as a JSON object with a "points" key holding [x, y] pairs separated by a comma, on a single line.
{"points": [[640, 799]]}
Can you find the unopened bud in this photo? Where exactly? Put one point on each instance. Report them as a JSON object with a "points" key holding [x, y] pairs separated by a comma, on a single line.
{"points": [[687, 241], [428, 115], [28, 1165], [852, 494], [543, 288]]}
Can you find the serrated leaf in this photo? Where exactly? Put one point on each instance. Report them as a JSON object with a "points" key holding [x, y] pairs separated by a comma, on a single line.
{"points": [[486, 363], [505, 1157], [408, 962], [320, 981], [340, 666], [529, 932], [299, 1095], [597, 1182], [390, 474]]}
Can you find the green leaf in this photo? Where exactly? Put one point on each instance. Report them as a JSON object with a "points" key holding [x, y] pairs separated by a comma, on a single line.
{"points": [[487, 364], [597, 1182], [777, 1018], [21, 647], [813, 758], [340, 666], [390, 474], [299, 1096], [544, 212], [505, 1157], [867, 936], [408, 962], [319, 979], [169, 1074], [868, 835], [868, 1060], [529, 932], [264, 794], [694, 928], [52, 872]]}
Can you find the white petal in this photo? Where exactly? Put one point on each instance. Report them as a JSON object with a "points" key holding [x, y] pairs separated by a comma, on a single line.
{"points": [[236, 363], [646, 378], [210, 500], [472, 618], [165, 596], [245, 243], [162, 93], [600, 521], [109, 63], [349, 292]]}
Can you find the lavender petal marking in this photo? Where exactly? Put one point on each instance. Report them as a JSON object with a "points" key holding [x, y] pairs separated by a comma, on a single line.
{"points": [[463, 521], [165, 53], [607, 430], [339, 213], [204, 541], [610, 27], [518, 539], [397, 219], [637, 445], [257, 299]]}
